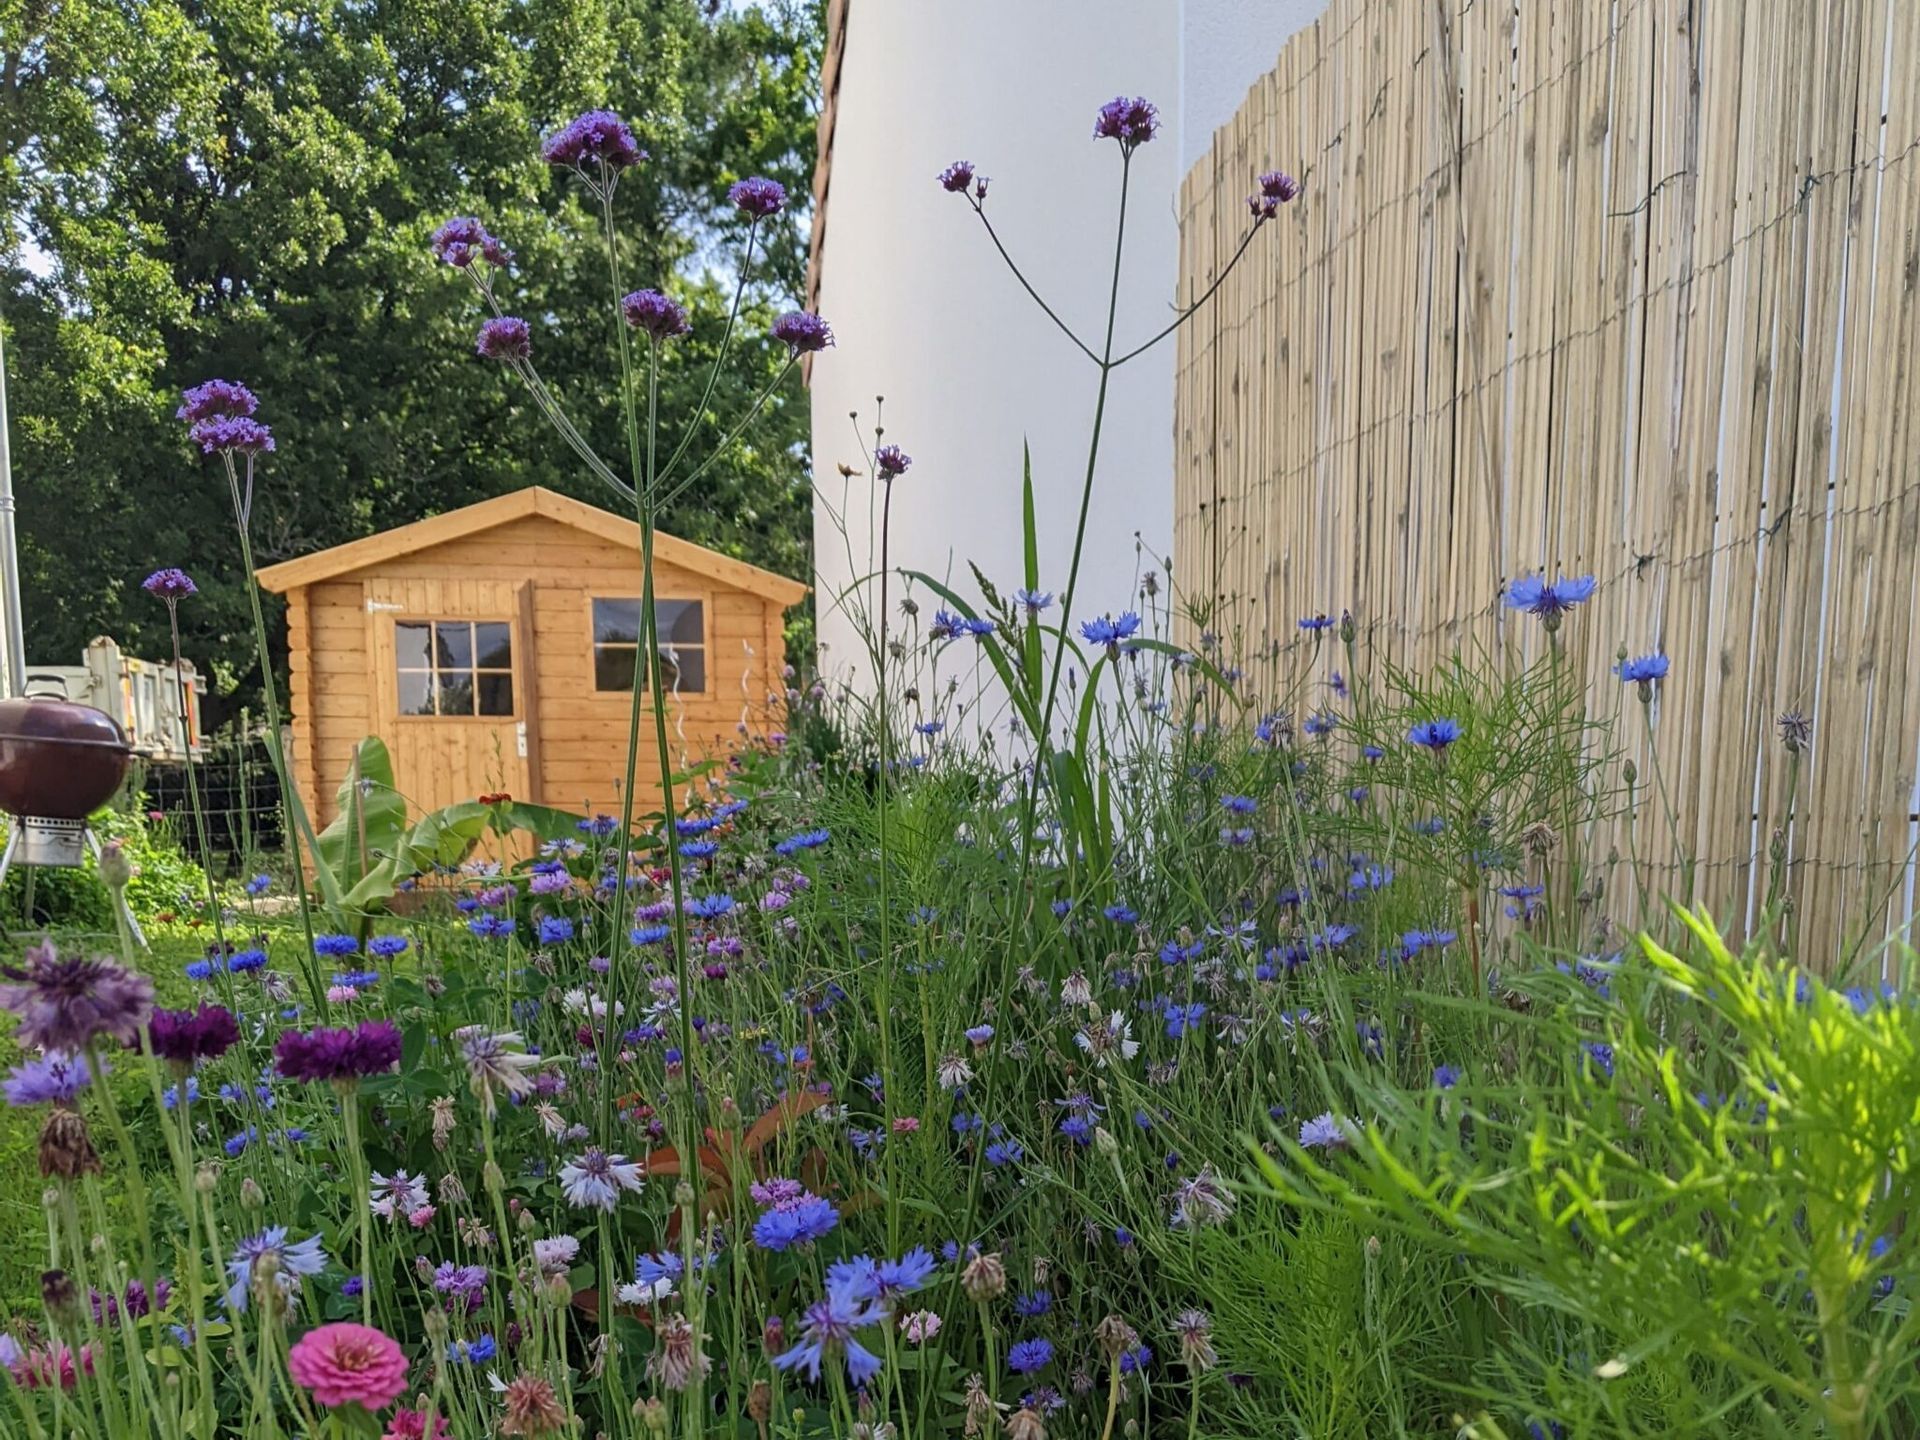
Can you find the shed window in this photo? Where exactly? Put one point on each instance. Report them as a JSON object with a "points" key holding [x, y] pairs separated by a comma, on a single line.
{"points": [[683, 645], [454, 667]]}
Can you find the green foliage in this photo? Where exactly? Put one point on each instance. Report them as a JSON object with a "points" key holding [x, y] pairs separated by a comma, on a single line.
{"points": [[262, 213]]}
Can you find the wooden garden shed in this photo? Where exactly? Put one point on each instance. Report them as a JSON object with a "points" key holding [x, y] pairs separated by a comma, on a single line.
{"points": [[494, 649]]}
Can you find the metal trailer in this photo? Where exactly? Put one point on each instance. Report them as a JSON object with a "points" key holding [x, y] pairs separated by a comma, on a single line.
{"points": [[143, 696]]}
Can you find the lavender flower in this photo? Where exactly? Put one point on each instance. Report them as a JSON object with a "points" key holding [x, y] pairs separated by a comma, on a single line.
{"points": [[1132, 122], [231, 434], [67, 1004], [758, 196], [504, 337], [802, 332], [654, 315], [598, 137], [170, 585], [51, 1079], [215, 398], [891, 461], [340, 1055]]}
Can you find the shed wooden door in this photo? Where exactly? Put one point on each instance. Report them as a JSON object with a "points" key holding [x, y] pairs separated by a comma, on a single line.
{"points": [[452, 687]]}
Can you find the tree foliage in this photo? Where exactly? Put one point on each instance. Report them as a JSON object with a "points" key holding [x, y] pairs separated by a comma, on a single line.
{"points": [[245, 189]]}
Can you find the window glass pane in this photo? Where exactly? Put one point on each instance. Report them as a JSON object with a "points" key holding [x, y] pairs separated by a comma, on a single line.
{"points": [[681, 622], [456, 694], [410, 642], [453, 645], [496, 694], [416, 690], [494, 642], [613, 667], [616, 621], [690, 661]]}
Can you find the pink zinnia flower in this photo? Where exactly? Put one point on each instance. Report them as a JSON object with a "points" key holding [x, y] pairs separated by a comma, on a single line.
{"points": [[347, 1364]]}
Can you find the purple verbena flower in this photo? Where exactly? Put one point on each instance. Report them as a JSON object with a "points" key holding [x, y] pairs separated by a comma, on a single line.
{"points": [[655, 315], [171, 585], [459, 240], [891, 461], [758, 196], [213, 399], [598, 137], [802, 332], [231, 434], [1132, 122], [504, 337], [957, 177]]}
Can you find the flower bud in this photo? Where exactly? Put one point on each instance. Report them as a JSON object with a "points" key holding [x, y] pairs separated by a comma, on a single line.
{"points": [[251, 1195], [116, 866], [760, 1403], [59, 1294], [985, 1278]]}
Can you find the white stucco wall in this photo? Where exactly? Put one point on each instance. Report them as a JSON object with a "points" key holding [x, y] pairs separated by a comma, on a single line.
{"points": [[926, 314]]}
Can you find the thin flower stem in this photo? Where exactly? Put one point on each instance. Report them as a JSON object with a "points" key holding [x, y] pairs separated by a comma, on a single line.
{"points": [[357, 1158], [720, 358], [193, 798], [721, 449], [1193, 309], [1045, 308], [883, 989]]}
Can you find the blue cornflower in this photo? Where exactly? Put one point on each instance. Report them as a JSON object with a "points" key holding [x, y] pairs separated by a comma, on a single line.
{"points": [[1062, 909], [202, 969], [491, 927], [1369, 877], [1533, 594], [259, 884], [1110, 630], [805, 840], [929, 727], [1029, 1357], [335, 945], [829, 1327], [473, 1352], [799, 1221], [1133, 1361], [699, 849], [1598, 1056], [911, 1272], [1321, 724], [1372, 752], [1646, 671], [709, 907], [246, 960], [357, 979], [1181, 1018], [387, 946], [1002, 1153], [170, 1097], [1078, 1129], [1032, 601], [600, 826], [1121, 914], [1174, 953], [1323, 1132], [555, 930], [1445, 1077], [1033, 1304], [1334, 936], [1239, 804], [978, 626], [1314, 624], [1431, 826], [303, 1258], [1436, 735], [649, 934]]}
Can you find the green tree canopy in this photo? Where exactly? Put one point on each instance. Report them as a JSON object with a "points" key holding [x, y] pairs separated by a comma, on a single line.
{"points": [[246, 189]]}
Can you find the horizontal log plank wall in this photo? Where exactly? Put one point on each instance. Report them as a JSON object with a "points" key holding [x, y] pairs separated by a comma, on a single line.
{"points": [[1622, 287], [542, 575]]}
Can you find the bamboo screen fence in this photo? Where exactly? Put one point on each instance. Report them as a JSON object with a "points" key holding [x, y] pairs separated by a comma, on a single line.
{"points": [[1621, 287]]}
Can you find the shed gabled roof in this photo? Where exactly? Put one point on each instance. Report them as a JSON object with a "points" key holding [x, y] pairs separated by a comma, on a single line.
{"points": [[520, 504]]}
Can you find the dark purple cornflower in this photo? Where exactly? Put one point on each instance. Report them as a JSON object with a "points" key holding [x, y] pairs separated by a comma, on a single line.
{"points": [[213, 399], [758, 196], [1131, 122], [340, 1055], [461, 239], [598, 137], [504, 337], [655, 315], [185, 1036], [957, 177], [231, 434], [171, 585], [68, 1004], [891, 461], [802, 332]]}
